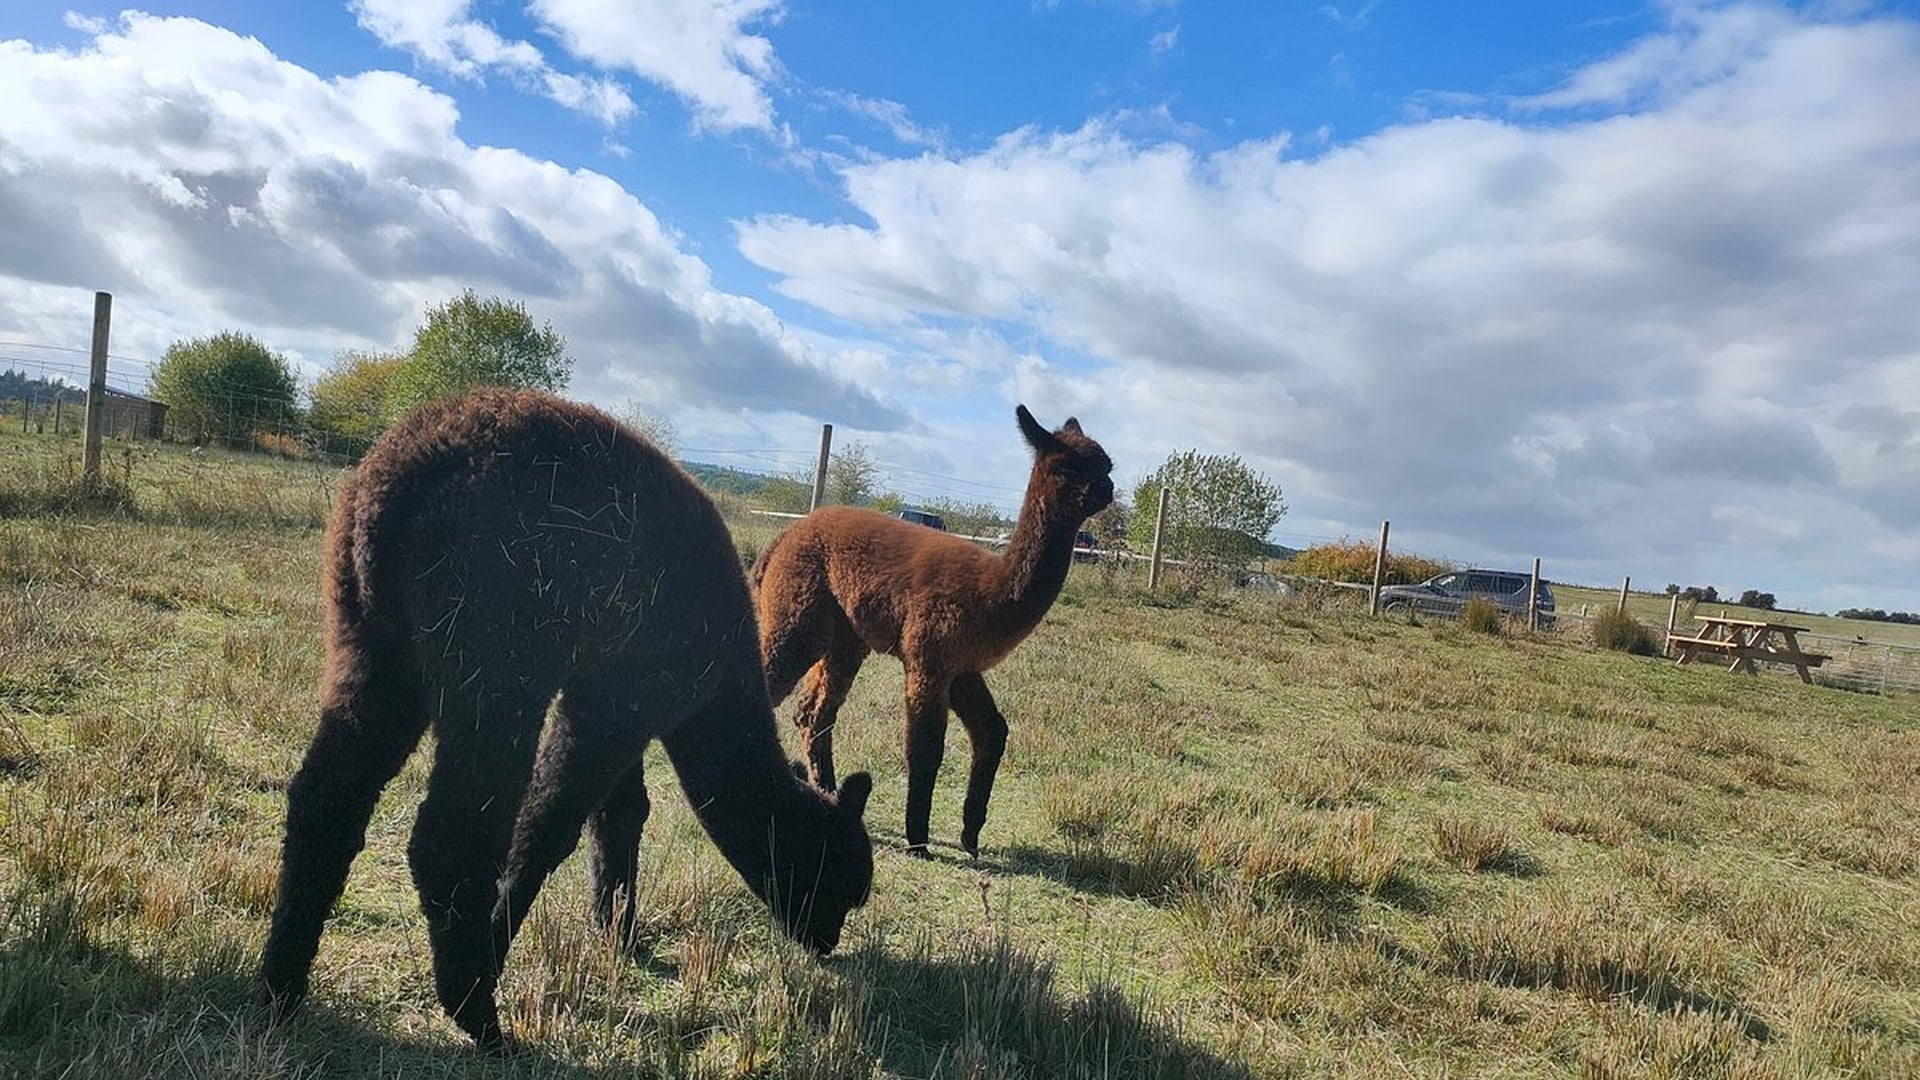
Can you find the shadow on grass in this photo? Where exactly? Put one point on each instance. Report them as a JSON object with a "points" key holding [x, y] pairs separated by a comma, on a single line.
{"points": [[1087, 870], [69, 1007], [994, 1009], [78, 1009], [1095, 872]]}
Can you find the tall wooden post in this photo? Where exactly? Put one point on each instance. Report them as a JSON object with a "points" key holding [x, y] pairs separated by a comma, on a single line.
{"points": [[1379, 570], [59, 410], [820, 469], [1624, 582], [97, 389], [1673, 616], [1533, 597], [1159, 528]]}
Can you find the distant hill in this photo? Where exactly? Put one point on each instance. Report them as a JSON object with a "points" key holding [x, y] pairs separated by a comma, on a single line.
{"points": [[730, 480]]}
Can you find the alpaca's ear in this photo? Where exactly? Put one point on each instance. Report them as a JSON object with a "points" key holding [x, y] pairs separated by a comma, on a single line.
{"points": [[854, 791], [1072, 426], [1038, 437]]}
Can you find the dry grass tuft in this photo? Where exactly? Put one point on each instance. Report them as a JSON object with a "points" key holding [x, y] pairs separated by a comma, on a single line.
{"points": [[1475, 844]]}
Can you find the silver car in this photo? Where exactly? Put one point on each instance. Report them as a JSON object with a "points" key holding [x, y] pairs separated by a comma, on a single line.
{"points": [[1448, 593]]}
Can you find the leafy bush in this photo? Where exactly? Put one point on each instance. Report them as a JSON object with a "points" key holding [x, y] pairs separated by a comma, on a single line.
{"points": [[225, 387], [1615, 629], [1481, 615], [349, 404], [1352, 560]]}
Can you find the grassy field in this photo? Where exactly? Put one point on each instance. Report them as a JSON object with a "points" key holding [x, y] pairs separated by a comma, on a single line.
{"points": [[1233, 837], [1651, 609]]}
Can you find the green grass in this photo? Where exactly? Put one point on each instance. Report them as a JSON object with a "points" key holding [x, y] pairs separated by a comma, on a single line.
{"points": [[1651, 610], [1233, 836]]}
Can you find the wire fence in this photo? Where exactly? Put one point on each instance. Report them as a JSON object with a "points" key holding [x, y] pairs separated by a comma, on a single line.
{"points": [[42, 391], [1852, 663]]}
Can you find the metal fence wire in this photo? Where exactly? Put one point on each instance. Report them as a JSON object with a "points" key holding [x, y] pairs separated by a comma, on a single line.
{"points": [[1873, 667]]}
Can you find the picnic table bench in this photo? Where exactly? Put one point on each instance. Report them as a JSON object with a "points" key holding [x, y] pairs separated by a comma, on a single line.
{"points": [[1746, 641]]}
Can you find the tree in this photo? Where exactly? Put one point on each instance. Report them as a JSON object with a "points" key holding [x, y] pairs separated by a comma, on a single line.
{"points": [[1754, 598], [658, 429], [225, 387], [479, 341], [1220, 511], [348, 406], [853, 477]]}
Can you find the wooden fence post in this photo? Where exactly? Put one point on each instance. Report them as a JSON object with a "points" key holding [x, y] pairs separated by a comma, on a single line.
{"points": [[1379, 570], [59, 410], [820, 469], [1673, 616], [1624, 582], [1159, 527], [97, 389], [1533, 597]]}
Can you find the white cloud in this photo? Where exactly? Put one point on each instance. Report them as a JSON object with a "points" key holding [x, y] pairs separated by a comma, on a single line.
{"points": [[211, 185], [1589, 341], [1164, 41], [443, 33], [699, 49]]}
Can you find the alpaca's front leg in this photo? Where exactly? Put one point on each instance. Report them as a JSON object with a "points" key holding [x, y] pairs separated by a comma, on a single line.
{"points": [[987, 731], [370, 721], [926, 745]]}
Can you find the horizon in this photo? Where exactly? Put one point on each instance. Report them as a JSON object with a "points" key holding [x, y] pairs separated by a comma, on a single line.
{"points": [[1623, 286]]}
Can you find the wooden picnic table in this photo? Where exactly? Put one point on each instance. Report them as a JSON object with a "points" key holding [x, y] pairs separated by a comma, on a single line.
{"points": [[1746, 641]]}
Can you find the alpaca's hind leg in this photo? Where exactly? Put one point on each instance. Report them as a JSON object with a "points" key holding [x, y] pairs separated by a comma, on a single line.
{"points": [[987, 731], [459, 844], [826, 690], [926, 745], [371, 718], [590, 747], [615, 829]]}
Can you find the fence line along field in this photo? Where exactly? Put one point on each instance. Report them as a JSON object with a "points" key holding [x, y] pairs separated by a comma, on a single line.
{"points": [[1234, 836]]}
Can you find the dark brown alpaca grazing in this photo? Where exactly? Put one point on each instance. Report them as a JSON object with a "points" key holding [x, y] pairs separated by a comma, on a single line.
{"points": [[843, 582], [496, 552]]}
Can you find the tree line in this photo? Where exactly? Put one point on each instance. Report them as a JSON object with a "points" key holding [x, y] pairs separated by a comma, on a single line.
{"points": [[1910, 618], [1751, 598], [232, 389]]}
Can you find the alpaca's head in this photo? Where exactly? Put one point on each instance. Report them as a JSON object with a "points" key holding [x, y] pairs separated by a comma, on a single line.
{"points": [[1075, 466], [831, 868]]}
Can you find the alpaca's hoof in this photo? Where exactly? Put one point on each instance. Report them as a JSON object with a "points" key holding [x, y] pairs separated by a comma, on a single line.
{"points": [[495, 1043], [281, 1002], [971, 842], [919, 851]]}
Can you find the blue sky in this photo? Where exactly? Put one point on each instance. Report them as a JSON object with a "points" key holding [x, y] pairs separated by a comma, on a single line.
{"points": [[1624, 286]]}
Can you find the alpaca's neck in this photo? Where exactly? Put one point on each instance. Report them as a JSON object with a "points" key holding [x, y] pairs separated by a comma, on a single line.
{"points": [[1040, 551], [739, 782]]}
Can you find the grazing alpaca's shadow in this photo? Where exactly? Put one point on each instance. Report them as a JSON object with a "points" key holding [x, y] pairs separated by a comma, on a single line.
{"points": [[917, 1017], [505, 554], [843, 583], [994, 1007]]}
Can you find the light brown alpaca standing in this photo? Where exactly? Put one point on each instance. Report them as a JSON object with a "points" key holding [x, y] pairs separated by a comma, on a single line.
{"points": [[843, 582]]}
